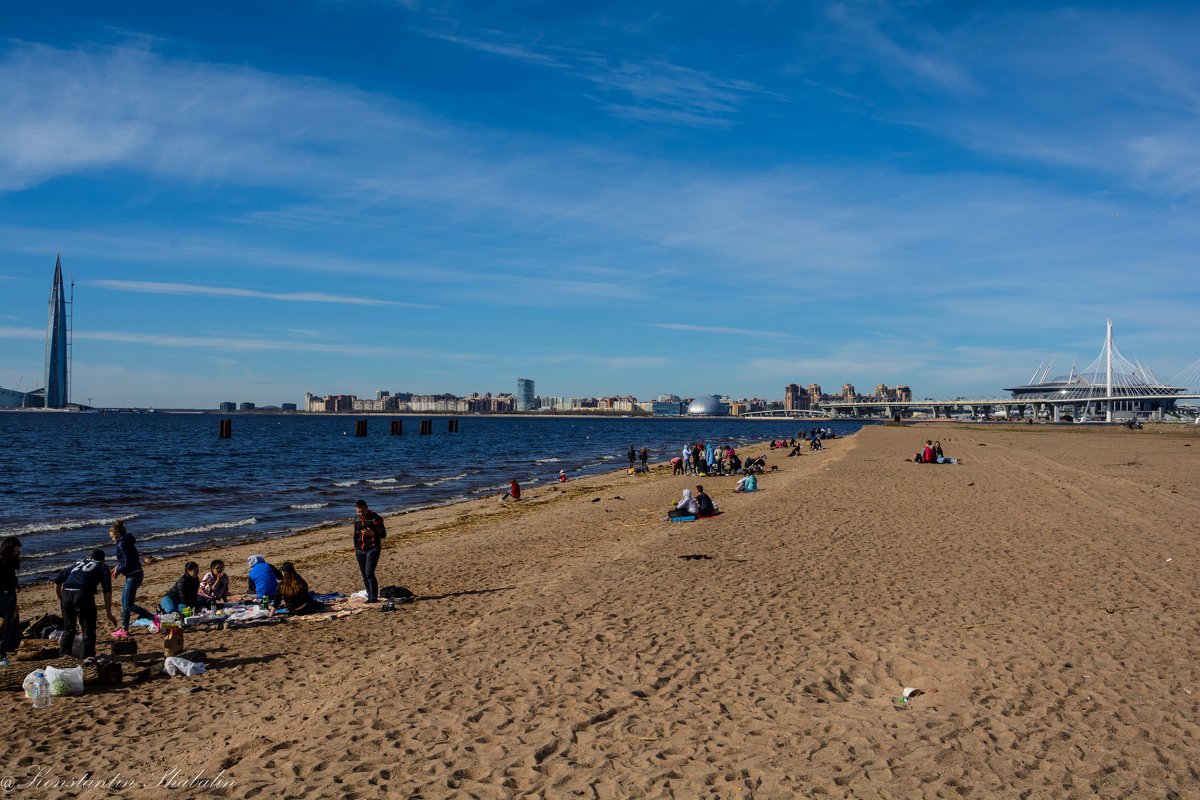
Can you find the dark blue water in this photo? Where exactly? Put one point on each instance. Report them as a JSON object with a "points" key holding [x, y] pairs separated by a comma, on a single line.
{"points": [[67, 476]]}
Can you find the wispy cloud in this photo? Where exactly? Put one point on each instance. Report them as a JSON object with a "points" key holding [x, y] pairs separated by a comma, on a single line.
{"points": [[925, 59], [652, 90], [187, 289], [242, 344], [715, 329]]}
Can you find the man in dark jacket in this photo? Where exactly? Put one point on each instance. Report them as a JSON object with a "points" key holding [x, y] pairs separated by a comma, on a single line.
{"points": [[368, 541], [707, 509], [76, 589]]}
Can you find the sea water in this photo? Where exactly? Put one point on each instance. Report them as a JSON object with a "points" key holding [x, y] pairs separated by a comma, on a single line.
{"points": [[68, 476]]}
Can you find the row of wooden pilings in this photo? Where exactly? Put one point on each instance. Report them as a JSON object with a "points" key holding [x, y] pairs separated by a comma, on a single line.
{"points": [[225, 427]]}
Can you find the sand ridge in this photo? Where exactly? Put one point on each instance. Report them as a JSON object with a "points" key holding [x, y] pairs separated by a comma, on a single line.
{"points": [[567, 648]]}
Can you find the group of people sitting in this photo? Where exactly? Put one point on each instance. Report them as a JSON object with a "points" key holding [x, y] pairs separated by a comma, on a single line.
{"points": [[694, 505], [932, 453]]}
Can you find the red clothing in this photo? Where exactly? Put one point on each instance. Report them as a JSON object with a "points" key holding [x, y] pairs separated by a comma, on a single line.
{"points": [[928, 455], [515, 490]]}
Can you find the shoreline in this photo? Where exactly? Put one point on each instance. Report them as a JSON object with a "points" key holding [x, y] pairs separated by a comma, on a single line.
{"points": [[536, 494]]}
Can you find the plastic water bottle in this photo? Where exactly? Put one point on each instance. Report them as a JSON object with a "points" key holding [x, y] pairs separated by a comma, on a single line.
{"points": [[39, 690]]}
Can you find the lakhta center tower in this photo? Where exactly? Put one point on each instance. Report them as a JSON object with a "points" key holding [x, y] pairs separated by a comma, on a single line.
{"points": [[57, 373]]}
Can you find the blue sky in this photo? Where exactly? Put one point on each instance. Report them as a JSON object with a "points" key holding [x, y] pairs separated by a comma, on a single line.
{"points": [[258, 199]]}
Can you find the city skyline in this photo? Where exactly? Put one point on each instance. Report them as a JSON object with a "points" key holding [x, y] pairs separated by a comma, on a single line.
{"points": [[258, 202]]}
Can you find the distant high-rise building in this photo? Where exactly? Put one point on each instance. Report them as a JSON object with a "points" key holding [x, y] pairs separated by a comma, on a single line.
{"points": [[247, 406], [525, 395], [228, 405], [814, 395], [791, 396], [57, 338], [795, 398]]}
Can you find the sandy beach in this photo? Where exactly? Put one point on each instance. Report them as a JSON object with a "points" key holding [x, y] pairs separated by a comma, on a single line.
{"points": [[1041, 595]]}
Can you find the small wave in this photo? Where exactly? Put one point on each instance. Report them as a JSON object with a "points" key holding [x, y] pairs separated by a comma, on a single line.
{"points": [[546, 460], [376, 481], [241, 523], [66, 525], [305, 506], [345, 483], [440, 481]]}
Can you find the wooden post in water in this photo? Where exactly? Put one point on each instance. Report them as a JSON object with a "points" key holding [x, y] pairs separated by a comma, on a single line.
{"points": [[225, 428], [426, 427], [360, 427], [452, 426], [397, 427]]}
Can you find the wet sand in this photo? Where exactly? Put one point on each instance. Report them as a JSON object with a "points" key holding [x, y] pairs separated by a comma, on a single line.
{"points": [[1042, 595]]}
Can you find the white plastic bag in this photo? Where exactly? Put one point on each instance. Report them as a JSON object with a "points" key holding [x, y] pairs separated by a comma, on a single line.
{"points": [[251, 613], [65, 682], [361, 594], [181, 666]]}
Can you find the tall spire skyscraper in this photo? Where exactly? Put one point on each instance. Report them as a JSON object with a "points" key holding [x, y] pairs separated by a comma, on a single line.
{"points": [[57, 394]]}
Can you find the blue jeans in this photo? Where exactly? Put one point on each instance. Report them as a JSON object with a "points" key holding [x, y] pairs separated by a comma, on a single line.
{"points": [[128, 595], [367, 559], [169, 606]]}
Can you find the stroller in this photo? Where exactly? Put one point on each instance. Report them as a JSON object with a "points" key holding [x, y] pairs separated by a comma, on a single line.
{"points": [[755, 466]]}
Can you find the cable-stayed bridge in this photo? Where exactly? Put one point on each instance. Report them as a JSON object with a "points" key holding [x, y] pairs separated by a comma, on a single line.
{"points": [[1112, 388]]}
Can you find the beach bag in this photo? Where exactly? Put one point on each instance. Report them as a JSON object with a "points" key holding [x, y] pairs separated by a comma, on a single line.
{"points": [[65, 682], [173, 642], [400, 594]]}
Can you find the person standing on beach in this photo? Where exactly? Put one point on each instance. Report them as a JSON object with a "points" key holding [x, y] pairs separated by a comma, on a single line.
{"points": [[76, 589], [632, 456], [368, 541], [129, 564], [645, 456], [10, 632]]}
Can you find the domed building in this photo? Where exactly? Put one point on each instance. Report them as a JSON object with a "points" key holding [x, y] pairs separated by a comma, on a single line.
{"points": [[708, 405]]}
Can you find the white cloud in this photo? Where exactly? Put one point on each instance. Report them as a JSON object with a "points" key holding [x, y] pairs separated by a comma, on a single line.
{"points": [[185, 289]]}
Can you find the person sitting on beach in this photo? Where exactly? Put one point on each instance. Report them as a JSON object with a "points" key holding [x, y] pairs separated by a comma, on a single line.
{"points": [[263, 581], [514, 491], [184, 592], [927, 454], [735, 464], [562, 476], [293, 591], [938, 455], [704, 504], [214, 586], [686, 507], [747, 484]]}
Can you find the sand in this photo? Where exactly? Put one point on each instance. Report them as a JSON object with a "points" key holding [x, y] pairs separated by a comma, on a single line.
{"points": [[1042, 595]]}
